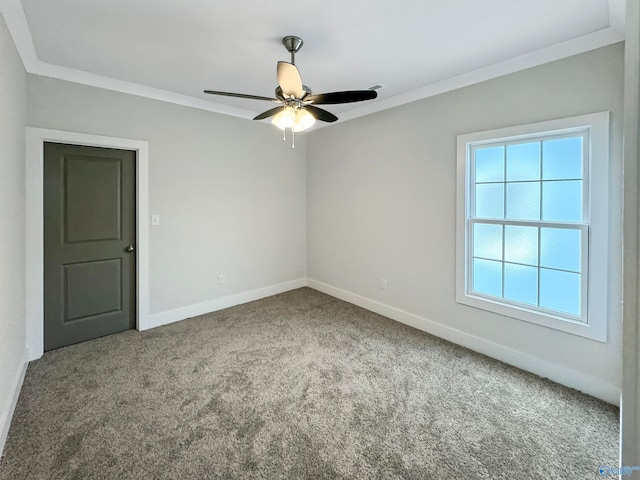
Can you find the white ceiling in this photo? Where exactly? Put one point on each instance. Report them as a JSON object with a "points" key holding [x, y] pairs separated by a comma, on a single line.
{"points": [[173, 49]]}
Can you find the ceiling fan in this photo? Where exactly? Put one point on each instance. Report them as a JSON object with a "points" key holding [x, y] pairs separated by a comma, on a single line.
{"points": [[297, 110]]}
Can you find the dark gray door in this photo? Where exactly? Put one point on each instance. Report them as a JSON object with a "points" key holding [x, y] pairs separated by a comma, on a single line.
{"points": [[89, 243]]}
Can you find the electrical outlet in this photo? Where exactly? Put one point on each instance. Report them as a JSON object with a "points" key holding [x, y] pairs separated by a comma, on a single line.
{"points": [[221, 279], [383, 284]]}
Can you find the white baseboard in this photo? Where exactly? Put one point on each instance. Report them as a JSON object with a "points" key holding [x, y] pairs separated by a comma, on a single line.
{"points": [[14, 391], [585, 383], [164, 318]]}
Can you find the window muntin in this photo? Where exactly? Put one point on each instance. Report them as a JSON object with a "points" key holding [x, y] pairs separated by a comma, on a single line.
{"points": [[527, 223], [532, 265]]}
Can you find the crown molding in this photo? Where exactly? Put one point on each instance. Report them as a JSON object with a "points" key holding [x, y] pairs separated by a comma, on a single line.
{"points": [[19, 29], [91, 79], [576, 46]]}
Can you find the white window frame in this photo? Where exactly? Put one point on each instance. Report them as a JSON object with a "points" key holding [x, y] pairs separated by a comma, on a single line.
{"points": [[595, 128]]}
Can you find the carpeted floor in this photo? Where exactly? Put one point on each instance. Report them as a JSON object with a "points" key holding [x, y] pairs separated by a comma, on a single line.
{"points": [[299, 385]]}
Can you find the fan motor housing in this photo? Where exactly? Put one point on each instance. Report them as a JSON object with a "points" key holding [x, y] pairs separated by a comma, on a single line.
{"points": [[280, 95]]}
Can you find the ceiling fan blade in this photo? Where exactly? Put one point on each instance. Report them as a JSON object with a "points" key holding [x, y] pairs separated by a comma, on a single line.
{"points": [[342, 97], [241, 95], [321, 114], [268, 113], [290, 80]]}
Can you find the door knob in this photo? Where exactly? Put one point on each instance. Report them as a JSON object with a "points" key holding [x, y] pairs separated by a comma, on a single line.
{"points": [[129, 249]]}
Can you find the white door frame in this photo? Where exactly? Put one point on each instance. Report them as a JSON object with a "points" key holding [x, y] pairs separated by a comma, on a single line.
{"points": [[36, 137], [630, 401]]}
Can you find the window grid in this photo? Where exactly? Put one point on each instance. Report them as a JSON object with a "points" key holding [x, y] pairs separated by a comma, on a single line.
{"points": [[539, 224], [504, 213], [531, 181], [503, 248], [510, 262], [538, 264], [540, 170], [539, 250]]}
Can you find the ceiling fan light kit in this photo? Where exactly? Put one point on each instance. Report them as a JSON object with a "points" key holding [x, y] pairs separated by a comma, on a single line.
{"points": [[298, 120], [298, 111]]}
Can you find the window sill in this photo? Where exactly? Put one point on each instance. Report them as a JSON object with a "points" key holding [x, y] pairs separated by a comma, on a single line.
{"points": [[574, 327]]}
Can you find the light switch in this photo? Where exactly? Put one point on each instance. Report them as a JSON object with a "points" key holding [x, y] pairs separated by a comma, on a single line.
{"points": [[155, 219]]}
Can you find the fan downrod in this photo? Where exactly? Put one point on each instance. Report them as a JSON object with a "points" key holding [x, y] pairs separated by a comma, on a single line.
{"points": [[292, 44]]}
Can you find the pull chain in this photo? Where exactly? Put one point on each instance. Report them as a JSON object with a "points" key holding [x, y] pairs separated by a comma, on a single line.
{"points": [[293, 137]]}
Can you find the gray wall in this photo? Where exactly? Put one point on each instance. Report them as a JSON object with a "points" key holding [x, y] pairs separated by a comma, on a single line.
{"points": [[230, 193], [13, 109], [382, 197]]}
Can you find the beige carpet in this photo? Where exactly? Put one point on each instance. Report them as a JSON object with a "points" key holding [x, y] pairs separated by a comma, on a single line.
{"points": [[299, 385]]}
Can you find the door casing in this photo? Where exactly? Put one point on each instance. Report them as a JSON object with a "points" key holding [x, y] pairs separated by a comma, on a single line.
{"points": [[36, 137]]}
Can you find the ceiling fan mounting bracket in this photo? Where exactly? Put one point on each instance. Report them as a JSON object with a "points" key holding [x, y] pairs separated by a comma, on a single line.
{"points": [[292, 43]]}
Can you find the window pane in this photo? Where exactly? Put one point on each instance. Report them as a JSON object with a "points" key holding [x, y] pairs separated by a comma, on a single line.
{"points": [[523, 161], [490, 200], [560, 291], [523, 201], [521, 283], [487, 241], [562, 159], [487, 277], [562, 201], [560, 248], [521, 244], [490, 164]]}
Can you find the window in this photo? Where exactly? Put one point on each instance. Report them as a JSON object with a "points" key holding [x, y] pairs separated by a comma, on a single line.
{"points": [[532, 223]]}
